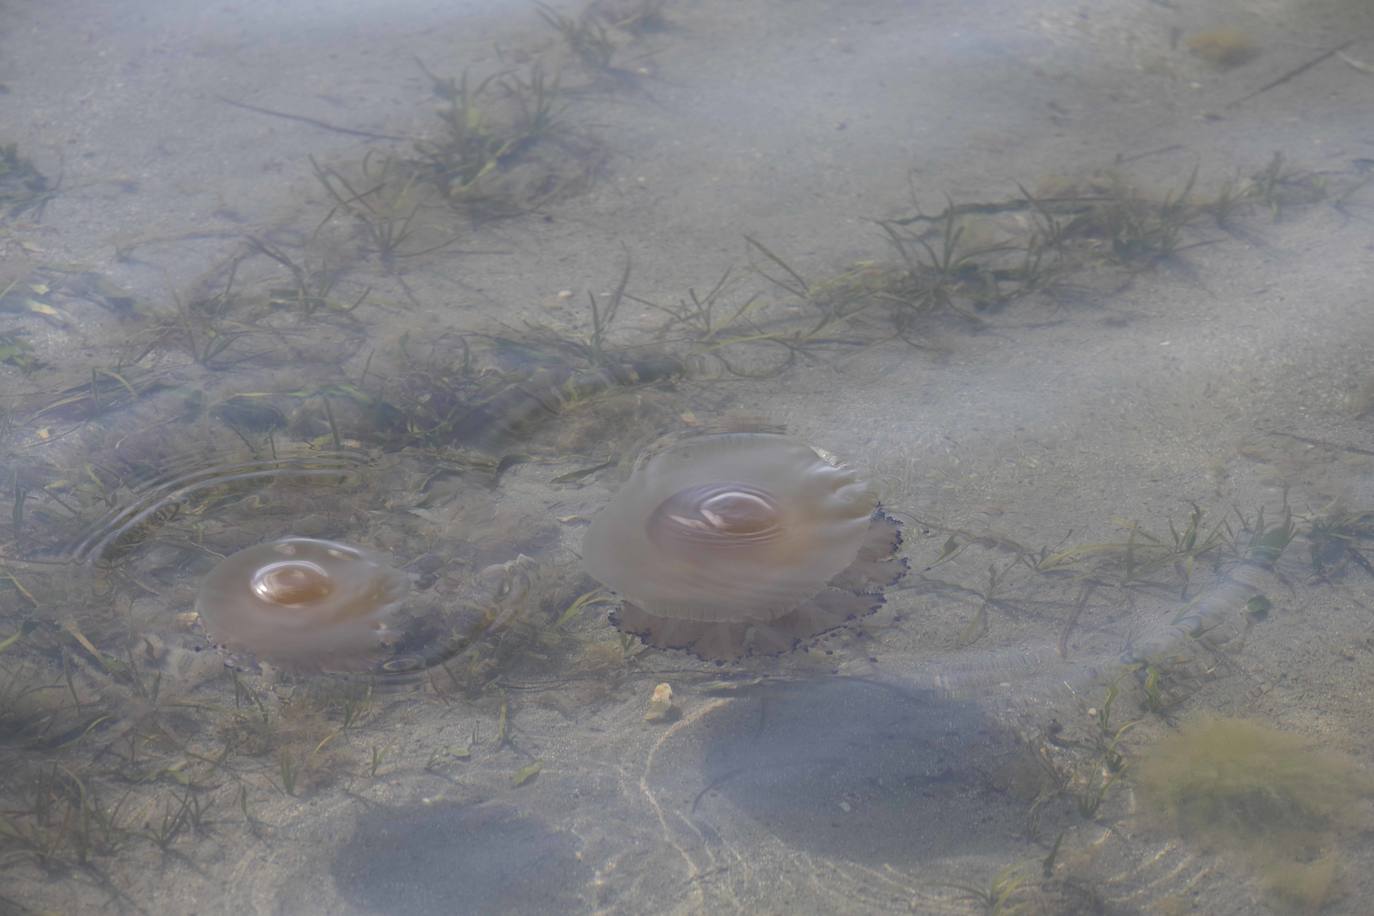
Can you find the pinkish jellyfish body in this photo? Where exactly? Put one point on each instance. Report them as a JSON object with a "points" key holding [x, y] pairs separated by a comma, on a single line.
{"points": [[302, 603], [742, 543]]}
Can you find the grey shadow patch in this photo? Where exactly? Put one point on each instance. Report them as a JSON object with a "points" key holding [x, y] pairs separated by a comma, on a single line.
{"points": [[861, 771], [459, 858]]}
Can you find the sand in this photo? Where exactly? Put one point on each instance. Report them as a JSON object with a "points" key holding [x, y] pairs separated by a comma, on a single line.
{"points": [[953, 737]]}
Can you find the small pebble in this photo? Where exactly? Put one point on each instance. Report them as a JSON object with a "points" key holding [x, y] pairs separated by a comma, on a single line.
{"points": [[661, 707]]}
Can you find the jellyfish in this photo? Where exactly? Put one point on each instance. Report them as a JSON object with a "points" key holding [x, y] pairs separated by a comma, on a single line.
{"points": [[736, 544], [302, 604]]}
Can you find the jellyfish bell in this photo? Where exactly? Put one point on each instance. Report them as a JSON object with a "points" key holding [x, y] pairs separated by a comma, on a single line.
{"points": [[302, 604], [742, 543]]}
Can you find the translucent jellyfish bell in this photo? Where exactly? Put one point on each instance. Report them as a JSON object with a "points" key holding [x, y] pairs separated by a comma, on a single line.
{"points": [[302, 603], [733, 544]]}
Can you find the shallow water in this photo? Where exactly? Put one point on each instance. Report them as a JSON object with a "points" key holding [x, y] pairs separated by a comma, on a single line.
{"points": [[1088, 307]]}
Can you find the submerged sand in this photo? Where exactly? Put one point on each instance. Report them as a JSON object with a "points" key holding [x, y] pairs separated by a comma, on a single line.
{"points": [[960, 733]]}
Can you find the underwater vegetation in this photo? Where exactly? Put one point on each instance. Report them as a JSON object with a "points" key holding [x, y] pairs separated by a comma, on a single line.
{"points": [[121, 732], [734, 544], [29, 297], [1015, 891], [23, 189], [124, 735], [385, 205], [747, 337], [597, 37], [18, 352], [973, 259], [1240, 785], [1304, 887], [1337, 539], [1078, 763], [288, 741], [586, 36], [1156, 565], [244, 314], [1243, 785], [483, 393], [503, 146]]}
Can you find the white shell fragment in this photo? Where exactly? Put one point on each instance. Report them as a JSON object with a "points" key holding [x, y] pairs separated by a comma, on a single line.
{"points": [[661, 707]]}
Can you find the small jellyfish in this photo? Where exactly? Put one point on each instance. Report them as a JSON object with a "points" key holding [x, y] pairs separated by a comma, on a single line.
{"points": [[742, 543], [302, 603]]}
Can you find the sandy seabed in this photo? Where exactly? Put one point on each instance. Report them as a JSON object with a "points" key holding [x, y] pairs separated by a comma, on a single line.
{"points": [[955, 744]]}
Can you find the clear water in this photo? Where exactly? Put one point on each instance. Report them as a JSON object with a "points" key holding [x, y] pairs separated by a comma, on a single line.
{"points": [[1081, 290]]}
